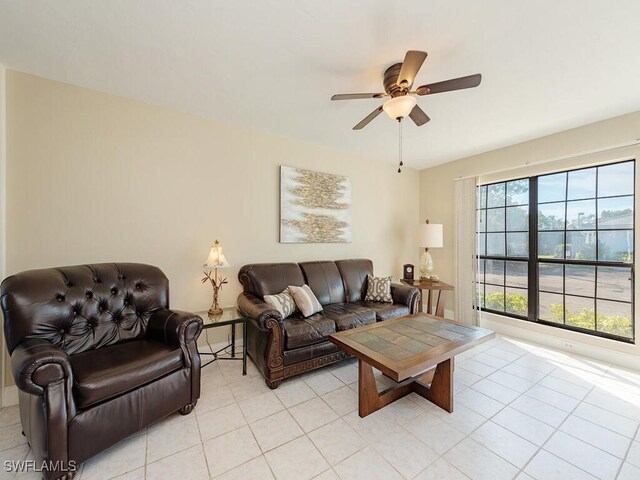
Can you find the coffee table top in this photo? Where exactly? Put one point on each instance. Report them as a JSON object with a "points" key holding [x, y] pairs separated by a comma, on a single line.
{"points": [[407, 346]]}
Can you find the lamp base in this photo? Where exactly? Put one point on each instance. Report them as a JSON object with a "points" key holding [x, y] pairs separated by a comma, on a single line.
{"points": [[426, 264], [215, 311]]}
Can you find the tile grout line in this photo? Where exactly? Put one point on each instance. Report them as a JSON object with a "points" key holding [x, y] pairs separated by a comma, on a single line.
{"points": [[557, 429], [626, 455]]}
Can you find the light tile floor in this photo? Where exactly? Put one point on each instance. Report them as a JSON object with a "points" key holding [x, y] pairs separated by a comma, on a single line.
{"points": [[521, 411]]}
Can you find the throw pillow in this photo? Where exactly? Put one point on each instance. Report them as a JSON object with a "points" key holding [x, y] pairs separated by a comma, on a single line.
{"points": [[378, 289], [306, 300], [283, 302]]}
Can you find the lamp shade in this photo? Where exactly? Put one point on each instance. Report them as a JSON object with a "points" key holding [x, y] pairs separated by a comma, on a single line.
{"points": [[216, 258], [430, 235], [399, 107]]}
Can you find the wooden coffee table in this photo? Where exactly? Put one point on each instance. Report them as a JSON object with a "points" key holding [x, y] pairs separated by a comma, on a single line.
{"points": [[417, 351]]}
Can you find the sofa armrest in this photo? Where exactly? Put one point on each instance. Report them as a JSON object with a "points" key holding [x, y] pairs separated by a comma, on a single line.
{"points": [[174, 327], [254, 307], [37, 363], [406, 295]]}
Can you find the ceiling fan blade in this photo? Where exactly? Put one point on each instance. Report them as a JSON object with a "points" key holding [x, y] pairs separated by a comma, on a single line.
{"points": [[418, 116], [413, 60], [365, 121], [354, 96], [449, 85]]}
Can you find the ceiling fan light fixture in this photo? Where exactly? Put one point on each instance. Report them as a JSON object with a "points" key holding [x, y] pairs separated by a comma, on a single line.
{"points": [[399, 107]]}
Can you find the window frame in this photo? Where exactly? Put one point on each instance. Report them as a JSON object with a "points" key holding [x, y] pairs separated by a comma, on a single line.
{"points": [[533, 261]]}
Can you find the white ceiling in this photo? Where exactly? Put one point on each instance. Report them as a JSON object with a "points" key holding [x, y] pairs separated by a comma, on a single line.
{"points": [[547, 65]]}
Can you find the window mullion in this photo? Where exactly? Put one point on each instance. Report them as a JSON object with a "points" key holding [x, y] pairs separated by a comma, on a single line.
{"points": [[532, 288]]}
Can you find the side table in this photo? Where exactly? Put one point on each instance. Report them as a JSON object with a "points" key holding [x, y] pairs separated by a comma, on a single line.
{"points": [[431, 286], [229, 316]]}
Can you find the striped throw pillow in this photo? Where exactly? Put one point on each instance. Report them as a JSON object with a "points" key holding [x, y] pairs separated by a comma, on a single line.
{"points": [[283, 302], [306, 300], [378, 289]]}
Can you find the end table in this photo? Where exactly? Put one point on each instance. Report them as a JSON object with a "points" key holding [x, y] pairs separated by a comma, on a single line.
{"points": [[229, 316], [431, 286]]}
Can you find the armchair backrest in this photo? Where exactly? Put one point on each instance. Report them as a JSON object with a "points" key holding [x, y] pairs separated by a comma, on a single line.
{"points": [[82, 307]]}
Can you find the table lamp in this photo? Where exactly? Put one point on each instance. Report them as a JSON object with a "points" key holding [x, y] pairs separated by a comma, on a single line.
{"points": [[430, 236], [215, 261]]}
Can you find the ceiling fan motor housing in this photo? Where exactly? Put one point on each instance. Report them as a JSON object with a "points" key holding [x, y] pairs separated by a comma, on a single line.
{"points": [[391, 86]]}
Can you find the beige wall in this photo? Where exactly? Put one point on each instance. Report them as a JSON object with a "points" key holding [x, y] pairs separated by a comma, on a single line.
{"points": [[554, 152], [98, 178]]}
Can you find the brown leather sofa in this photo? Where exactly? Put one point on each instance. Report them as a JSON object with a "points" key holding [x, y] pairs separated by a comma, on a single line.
{"points": [[281, 348], [96, 355]]}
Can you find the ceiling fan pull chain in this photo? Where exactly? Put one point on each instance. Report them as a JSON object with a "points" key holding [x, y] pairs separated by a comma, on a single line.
{"points": [[400, 144]]}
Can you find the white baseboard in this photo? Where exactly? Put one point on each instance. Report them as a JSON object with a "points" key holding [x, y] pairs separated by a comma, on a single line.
{"points": [[561, 340], [10, 396]]}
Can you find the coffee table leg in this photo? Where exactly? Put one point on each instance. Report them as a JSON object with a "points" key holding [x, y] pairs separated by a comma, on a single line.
{"points": [[440, 391], [369, 400]]}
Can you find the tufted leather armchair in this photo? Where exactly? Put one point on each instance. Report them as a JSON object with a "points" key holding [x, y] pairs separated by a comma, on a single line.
{"points": [[96, 355]]}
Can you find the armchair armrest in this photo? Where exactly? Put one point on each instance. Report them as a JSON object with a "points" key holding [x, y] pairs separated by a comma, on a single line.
{"points": [[406, 295], [36, 363], [174, 327], [255, 308]]}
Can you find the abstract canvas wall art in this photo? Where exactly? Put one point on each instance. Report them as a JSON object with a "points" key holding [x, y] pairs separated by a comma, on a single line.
{"points": [[315, 207]]}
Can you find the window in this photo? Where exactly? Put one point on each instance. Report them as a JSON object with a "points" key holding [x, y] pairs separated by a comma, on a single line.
{"points": [[558, 249]]}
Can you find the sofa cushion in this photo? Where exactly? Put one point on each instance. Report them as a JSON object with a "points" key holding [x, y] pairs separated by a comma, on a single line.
{"points": [[349, 315], [354, 275], [378, 289], [111, 371], [283, 302], [300, 331], [305, 300], [325, 281], [269, 278], [385, 311]]}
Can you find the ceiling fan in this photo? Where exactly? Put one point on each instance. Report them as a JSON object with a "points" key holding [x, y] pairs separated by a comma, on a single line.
{"points": [[398, 80]]}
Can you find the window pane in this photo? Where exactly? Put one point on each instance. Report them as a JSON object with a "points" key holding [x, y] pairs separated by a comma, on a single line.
{"points": [[615, 212], [551, 245], [481, 294], [482, 197], [480, 273], [550, 277], [518, 192], [615, 318], [614, 283], [580, 280], [518, 218], [551, 307], [552, 188], [581, 215], [482, 221], [495, 220], [517, 301], [615, 179], [581, 245], [551, 216], [580, 312], [517, 274], [615, 246], [481, 247], [496, 195], [494, 272], [517, 244], [495, 244], [582, 184], [494, 298]]}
